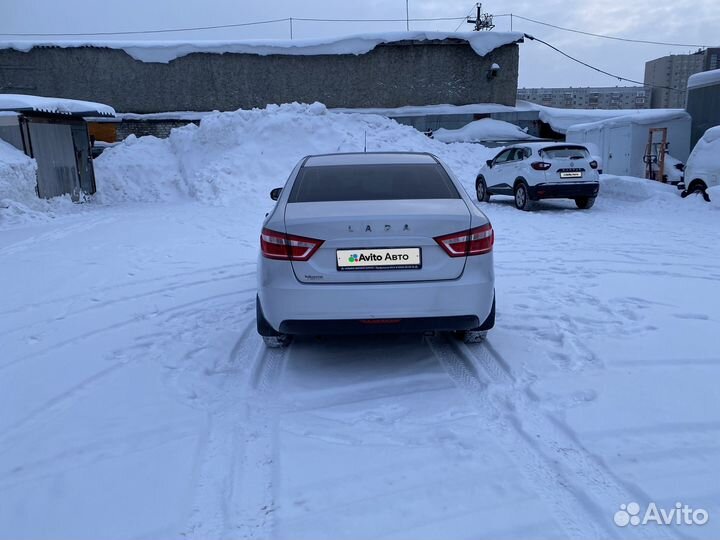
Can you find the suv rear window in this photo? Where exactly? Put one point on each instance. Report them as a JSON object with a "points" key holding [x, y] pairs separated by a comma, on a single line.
{"points": [[565, 152], [372, 183]]}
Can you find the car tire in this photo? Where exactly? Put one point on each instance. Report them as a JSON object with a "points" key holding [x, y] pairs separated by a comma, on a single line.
{"points": [[473, 336], [478, 335], [272, 338], [522, 196], [481, 190], [585, 203], [277, 342], [696, 186]]}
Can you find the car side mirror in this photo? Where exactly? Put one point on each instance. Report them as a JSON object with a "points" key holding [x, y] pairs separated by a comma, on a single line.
{"points": [[275, 193], [489, 163]]}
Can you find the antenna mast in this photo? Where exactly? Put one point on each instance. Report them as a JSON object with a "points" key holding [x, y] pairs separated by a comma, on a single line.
{"points": [[482, 21]]}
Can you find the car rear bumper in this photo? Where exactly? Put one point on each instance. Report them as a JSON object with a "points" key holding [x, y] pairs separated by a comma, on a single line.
{"points": [[378, 326], [564, 190], [301, 308]]}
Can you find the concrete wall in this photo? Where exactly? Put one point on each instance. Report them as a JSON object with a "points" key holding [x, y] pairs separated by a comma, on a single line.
{"points": [[391, 75]]}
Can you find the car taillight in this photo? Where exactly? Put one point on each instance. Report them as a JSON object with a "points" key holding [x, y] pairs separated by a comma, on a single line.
{"points": [[287, 247], [476, 241], [593, 164], [541, 165]]}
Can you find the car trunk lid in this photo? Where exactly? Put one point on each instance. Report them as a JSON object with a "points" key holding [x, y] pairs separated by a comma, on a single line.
{"points": [[371, 229]]}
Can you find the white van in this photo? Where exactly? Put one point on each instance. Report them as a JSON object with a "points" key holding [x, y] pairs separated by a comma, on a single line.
{"points": [[702, 170]]}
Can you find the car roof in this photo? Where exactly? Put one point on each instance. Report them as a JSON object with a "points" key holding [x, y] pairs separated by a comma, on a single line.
{"points": [[370, 158]]}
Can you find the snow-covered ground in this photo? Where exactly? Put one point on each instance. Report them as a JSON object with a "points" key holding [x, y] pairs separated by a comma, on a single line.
{"points": [[138, 402]]}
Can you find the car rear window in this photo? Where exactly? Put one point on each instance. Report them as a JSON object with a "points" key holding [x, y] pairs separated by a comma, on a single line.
{"points": [[372, 183], [565, 152]]}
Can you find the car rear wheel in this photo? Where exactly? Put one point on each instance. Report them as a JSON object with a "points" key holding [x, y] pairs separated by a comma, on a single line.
{"points": [[481, 190], [272, 338], [522, 197], [276, 342], [585, 203], [473, 336]]}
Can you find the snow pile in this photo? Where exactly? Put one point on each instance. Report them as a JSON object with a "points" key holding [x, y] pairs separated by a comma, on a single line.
{"points": [[714, 194], [236, 158], [166, 51], [632, 189], [18, 201], [485, 129], [144, 169]]}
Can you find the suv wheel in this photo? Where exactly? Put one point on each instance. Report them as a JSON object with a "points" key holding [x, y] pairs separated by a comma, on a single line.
{"points": [[522, 197], [481, 190], [585, 203], [696, 186]]}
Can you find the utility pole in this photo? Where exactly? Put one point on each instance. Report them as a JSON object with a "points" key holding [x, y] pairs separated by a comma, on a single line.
{"points": [[407, 15], [482, 21]]}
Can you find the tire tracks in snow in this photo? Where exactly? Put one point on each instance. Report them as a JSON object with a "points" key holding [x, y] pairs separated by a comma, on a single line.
{"points": [[236, 464], [128, 298], [137, 319], [582, 493]]}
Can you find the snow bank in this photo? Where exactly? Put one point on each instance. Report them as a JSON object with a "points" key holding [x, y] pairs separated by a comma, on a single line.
{"points": [[139, 170], [236, 158], [18, 201], [485, 129], [714, 193], [632, 189], [166, 51]]}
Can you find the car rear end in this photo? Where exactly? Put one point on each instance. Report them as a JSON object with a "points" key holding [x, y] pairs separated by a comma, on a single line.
{"points": [[373, 243], [566, 172]]}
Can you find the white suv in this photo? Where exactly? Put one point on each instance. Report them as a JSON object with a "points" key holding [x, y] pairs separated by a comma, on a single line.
{"points": [[533, 171]]}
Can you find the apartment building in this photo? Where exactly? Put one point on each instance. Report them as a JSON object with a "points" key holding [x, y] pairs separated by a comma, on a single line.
{"points": [[613, 97]]}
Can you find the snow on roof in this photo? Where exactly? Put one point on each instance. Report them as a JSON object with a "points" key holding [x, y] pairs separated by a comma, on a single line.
{"points": [[485, 129], [422, 110], [22, 102], [704, 78], [166, 51], [647, 116], [562, 119]]}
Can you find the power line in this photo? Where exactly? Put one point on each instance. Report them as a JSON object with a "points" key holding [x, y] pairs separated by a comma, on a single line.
{"points": [[647, 42], [464, 19], [618, 77], [221, 26], [129, 32], [380, 20]]}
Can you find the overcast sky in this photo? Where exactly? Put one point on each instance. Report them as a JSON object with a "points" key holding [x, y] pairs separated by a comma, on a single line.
{"points": [[677, 21]]}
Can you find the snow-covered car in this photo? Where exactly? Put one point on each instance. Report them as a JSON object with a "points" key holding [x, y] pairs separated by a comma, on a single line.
{"points": [[533, 171], [702, 170], [372, 243]]}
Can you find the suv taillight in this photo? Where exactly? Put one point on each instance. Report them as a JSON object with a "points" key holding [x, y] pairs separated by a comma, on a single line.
{"points": [[477, 241], [593, 164], [541, 165], [287, 247]]}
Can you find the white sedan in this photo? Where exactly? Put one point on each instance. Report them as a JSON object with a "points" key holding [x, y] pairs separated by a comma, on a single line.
{"points": [[533, 171], [374, 242]]}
